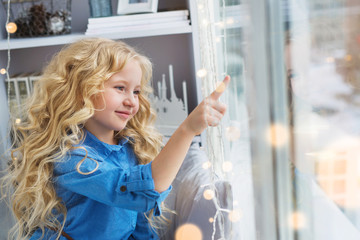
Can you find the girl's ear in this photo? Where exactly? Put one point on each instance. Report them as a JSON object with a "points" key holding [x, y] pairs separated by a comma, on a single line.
{"points": [[98, 101]]}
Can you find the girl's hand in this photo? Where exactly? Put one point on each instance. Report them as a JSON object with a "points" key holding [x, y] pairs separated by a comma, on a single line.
{"points": [[209, 112]]}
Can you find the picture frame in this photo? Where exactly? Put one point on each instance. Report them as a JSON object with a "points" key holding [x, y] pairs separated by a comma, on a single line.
{"points": [[32, 79], [137, 6]]}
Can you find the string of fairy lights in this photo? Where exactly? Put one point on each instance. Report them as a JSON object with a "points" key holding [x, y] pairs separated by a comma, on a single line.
{"points": [[10, 28], [209, 77]]}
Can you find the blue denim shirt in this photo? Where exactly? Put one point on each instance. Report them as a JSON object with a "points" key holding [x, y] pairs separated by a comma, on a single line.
{"points": [[110, 202]]}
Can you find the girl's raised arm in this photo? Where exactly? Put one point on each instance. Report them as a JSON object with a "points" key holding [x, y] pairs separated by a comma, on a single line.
{"points": [[208, 113]]}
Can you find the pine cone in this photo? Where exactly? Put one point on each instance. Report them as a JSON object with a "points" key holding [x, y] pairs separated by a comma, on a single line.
{"points": [[55, 23], [23, 29], [37, 14]]}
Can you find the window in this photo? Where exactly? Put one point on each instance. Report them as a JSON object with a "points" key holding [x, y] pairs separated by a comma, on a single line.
{"points": [[292, 132]]}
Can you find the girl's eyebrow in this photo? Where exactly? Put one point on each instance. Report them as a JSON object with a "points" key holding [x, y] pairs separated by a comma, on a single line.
{"points": [[121, 81]]}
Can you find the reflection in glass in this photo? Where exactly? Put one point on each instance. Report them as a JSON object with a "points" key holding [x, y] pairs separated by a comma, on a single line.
{"points": [[324, 53], [320, 53]]}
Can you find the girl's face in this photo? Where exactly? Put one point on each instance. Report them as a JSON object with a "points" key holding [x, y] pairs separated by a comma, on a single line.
{"points": [[117, 104]]}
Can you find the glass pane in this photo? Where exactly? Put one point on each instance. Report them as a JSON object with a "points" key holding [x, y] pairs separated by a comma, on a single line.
{"points": [[228, 147], [295, 74], [322, 63]]}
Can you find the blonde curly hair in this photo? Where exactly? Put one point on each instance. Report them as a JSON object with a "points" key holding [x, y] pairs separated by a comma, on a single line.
{"points": [[56, 112]]}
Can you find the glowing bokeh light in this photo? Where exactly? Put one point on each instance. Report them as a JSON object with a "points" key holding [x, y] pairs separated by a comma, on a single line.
{"points": [[206, 165], [205, 22], [201, 73], [3, 71], [235, 215], [348, 58], [297, 220], [211, 220], [188, 231], [18, 121], [330, 60], [277, 135], [227, 166], [209, 194], [232, 133], [230, 21], [11, 27]]}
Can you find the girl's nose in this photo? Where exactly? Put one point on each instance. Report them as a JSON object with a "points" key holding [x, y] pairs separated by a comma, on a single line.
{"points": [[130, 100]]}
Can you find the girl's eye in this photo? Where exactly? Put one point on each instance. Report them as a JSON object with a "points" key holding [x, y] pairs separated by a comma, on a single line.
{"points": [[120, 88], [137, 92]]}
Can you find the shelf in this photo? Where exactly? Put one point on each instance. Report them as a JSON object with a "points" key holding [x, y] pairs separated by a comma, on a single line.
{"points": [[18, 43]]}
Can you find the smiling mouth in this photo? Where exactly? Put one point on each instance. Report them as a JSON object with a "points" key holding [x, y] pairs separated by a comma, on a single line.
{"points": [[124, 115]]}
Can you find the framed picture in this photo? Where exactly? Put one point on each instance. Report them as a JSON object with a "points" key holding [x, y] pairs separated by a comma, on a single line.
{"points": [[137, 6], [32, 79]]}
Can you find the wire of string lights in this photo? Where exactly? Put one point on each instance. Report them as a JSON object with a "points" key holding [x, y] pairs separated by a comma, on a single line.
{"points": [[8, 50], [209, 77]]}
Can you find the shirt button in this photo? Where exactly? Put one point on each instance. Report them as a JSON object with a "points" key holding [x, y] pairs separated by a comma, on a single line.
{"points": [[123, 188]]}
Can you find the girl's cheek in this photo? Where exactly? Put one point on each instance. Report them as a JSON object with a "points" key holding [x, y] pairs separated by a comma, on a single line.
{"points": [[135, 109]]}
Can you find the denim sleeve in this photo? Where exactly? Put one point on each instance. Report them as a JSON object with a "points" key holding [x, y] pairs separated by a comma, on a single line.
{"points": [[131, 188], [143, 230]]}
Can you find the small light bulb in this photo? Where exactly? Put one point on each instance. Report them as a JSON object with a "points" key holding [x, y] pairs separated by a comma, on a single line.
{"points": [[230, 21], [3, 71], [205, 22], [201, 73], [235, 215], [277, 135], [188, 231], [209, 194], [227, 166], [232, 133], [11, 27], [297, 220], [18, 121], [206, 165]]}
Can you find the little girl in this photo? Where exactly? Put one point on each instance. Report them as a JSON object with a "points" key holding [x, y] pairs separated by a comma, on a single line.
{"points": [[86, 160]]}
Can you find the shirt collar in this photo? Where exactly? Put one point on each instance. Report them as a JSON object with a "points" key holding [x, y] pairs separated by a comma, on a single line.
{"points": [[102, 147]]}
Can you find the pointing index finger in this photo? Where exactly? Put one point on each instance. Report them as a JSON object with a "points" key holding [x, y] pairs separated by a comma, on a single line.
{"points": [[221, 88]]}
